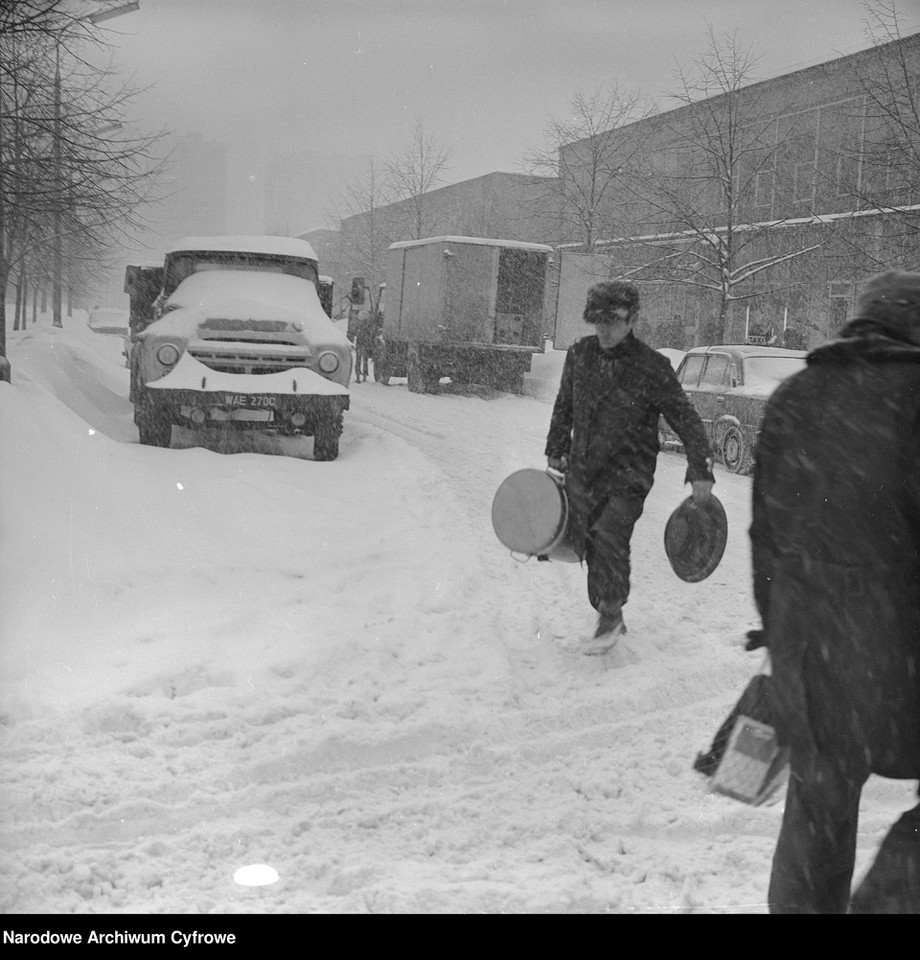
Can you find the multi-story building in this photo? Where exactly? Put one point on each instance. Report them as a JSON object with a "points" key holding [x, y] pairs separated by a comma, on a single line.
{"points": [[756, 212], [759, 211], [194, 191], [301, 190], [507, 206], [193, 202]]}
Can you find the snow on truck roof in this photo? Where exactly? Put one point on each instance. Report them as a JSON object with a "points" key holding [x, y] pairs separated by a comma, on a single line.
{"points": [[273, 246], [478, 241]]}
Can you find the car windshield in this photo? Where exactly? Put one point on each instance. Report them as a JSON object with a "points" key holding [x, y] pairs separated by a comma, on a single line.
{"points": [[765, 373]]}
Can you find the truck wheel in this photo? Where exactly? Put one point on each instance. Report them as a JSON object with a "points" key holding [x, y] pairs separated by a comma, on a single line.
{"points": [[734, 450], [153, 429], [326, 439]]}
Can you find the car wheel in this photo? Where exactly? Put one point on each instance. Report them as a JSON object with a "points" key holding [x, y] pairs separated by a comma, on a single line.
{"points": [[153, 429], [734, 450]]}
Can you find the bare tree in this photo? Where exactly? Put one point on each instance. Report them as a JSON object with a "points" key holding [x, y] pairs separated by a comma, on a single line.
{"points": [[694, 186], [411, 175], [27, 19], [889, 178], [72, 178], [364, 227], [587, 154]]}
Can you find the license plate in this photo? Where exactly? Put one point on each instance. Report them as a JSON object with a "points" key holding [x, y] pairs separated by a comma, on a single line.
{"points": [[242, 413], [252, 401]]}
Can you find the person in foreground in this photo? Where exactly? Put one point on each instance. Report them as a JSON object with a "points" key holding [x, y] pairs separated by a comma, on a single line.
{"points": [[603, 436], [835, 535]]}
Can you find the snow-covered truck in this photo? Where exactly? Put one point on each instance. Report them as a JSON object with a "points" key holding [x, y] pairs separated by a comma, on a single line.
{"points": [[230, 334], [467, 308]]}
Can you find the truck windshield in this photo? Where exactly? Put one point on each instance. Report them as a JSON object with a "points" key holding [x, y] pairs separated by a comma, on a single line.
{"points": [[184, 264]]}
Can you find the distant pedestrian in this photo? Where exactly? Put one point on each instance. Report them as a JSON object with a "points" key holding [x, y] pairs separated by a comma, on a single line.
{"points": [[793, 339], [604, 436], [835, 536], [365, 336]]}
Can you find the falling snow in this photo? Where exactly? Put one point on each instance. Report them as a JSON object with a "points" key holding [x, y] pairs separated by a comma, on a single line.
{"points": [[335, 672]]}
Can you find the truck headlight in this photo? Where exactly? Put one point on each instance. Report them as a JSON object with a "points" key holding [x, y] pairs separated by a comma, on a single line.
{"points": [[328, 361], [168, 354]]}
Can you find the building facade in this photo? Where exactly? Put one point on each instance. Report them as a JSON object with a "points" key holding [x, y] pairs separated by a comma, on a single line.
{"points": [[760, 211], [501, 206], [194, 191], [756, 212], [301, 190]]}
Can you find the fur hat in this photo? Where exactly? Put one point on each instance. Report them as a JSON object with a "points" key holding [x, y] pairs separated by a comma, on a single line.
{"points": [[612, 295], [892, 300]]}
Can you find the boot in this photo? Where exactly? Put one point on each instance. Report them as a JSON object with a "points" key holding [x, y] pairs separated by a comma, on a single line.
{"points": [[610, 627]]}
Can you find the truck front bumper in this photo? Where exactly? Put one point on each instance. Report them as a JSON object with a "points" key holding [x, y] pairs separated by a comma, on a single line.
{"points": [[291, 401], [268, 412]]}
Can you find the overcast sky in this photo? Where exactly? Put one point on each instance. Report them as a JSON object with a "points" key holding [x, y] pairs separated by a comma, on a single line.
{"points": [[271, 77]]}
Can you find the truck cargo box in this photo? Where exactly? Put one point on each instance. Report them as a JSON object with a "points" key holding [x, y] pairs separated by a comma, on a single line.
{"points": [[467, 290]]}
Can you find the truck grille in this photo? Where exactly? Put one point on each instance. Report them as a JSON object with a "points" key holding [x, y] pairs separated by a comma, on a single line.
{"points": [[246, 358]]}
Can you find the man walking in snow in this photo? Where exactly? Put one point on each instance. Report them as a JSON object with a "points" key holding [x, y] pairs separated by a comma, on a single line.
{"points": [[835, 537], [365, 336], [603, 436]]}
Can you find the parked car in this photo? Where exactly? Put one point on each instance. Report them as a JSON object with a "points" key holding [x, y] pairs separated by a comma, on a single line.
{"points": [[109, 320], [729, 385]]}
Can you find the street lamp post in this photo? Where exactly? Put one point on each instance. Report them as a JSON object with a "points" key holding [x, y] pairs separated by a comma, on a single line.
{"points": [[58, 252], [57, 283], [114, 12]]}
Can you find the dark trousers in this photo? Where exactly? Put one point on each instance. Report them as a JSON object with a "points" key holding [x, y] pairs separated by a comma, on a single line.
{"points": [[362, 353], [892, 884], [607, 552], [816, 850]]}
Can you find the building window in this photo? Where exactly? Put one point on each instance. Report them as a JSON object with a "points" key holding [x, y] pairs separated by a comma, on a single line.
{"points": [[837, 315], [847, 175], [803, 186], [897, 185], [763, 188]]}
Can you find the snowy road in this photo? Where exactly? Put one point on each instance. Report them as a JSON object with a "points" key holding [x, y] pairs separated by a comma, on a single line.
{"points": [[337, 670]]}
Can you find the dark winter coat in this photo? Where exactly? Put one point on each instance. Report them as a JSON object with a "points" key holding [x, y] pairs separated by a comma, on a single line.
{"points": [[605, 421], [366, 333], [836, 551]]}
